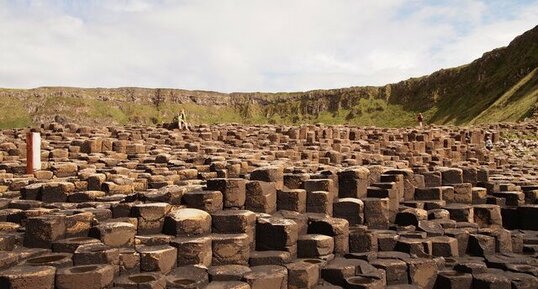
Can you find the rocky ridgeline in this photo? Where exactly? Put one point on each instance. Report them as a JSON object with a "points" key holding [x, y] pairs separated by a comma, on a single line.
{"points": [[232, 206], [497, 87]]}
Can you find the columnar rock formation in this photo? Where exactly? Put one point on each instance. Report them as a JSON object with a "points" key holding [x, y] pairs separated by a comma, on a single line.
{"points": [[230, 206]]}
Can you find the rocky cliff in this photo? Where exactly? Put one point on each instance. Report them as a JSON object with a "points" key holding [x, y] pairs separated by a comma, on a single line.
{"points": [[502, 85]]}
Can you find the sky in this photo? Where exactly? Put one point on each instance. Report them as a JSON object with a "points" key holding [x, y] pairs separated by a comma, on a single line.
{"points": [[247, 45]]}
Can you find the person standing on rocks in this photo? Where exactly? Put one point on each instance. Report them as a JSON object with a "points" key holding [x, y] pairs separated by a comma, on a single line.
{"points": [[489, 143], [182, 120], [420, 119], [467, 137]]}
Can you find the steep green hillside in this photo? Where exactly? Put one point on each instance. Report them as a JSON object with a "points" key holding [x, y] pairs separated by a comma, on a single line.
{"points": [[502, 85], [514, 104]]}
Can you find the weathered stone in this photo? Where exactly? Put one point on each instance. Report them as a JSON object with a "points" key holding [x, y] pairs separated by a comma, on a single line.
{"points": [[96, 253], [233, 191], [491, 280], [319, 202], [227, 272], [350, 209], [291, 200], [334, 227], [209, 201], [376, 213], [58, 260], [150, 217], [267, 277], [443, 246], [422, 272], [396, 270], [272, 174], [85, 277], [481, 245], [69, 245], [275, 234], [259, 258], [157, 258], [42, 231], [353, 182], [115, 234], [193, 250], [22, 277], [149, 280], [454, 280], [362, 240], [187, 222], [230, 249], [56, 191], [314, 246], [261, 197], [302, 275], [487, 215]]}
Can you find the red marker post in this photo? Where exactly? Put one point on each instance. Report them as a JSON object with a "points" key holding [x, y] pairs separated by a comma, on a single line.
{"points": [[33, 152]]}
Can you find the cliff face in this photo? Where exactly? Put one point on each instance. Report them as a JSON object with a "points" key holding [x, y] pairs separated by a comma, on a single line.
{"points": [[455, 95], [124, 94], [503, 82]]}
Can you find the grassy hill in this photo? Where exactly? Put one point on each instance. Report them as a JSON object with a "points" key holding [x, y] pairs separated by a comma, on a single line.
{"points": [[502, 85]]}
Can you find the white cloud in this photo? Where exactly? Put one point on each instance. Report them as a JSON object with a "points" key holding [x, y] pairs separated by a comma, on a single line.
{"points": [[245, 45]]}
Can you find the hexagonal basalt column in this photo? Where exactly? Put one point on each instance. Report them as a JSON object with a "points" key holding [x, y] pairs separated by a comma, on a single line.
{"points": [[230, 249], [24, 277], [187, 222], [150, 217], [85, 277], [233, 190]]}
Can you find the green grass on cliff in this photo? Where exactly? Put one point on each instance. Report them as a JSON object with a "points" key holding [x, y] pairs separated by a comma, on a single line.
{"points": [[499, 87], [13, 114], [511, 106], [514, 104], [502, 85], [389, 116], [367, 112]]}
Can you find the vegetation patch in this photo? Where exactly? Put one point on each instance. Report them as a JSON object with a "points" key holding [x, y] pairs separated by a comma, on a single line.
{"points": [[13, 113]]}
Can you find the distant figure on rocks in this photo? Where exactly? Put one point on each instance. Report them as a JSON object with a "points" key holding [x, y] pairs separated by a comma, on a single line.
{"points": [[468, 137], [60, 119], [420, 119], [489, 143], [182, 120]]}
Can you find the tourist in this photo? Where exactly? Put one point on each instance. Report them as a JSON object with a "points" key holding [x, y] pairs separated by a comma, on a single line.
{"points": [[468, 137], [182, 120], [489, 143], [420, 118]]}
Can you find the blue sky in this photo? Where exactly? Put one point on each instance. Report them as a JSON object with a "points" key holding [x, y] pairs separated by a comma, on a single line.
{"points": [[247, 45]]}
